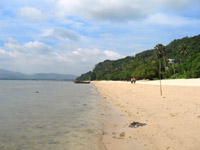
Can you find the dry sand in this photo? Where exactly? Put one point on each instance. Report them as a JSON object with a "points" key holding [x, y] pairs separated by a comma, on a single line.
{"points": [[172, 120]]}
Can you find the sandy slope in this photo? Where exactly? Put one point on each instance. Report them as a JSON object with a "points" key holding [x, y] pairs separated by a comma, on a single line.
{"points": [[173, 120]]}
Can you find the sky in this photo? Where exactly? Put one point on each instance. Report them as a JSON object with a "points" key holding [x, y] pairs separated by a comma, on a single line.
{"points": [[71, 36]]}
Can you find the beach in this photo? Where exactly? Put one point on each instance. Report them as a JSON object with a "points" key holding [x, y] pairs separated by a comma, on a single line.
{"points": [[170, 121]]}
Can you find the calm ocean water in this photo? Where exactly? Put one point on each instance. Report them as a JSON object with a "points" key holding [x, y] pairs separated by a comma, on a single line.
{"points": [[49, 115]]}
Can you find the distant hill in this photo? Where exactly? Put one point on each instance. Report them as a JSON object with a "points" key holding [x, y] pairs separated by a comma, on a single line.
{"points": [[144, 65], [10, 75], [6, 74]]}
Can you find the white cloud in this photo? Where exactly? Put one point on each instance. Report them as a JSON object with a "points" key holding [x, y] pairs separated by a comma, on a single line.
{"points": [[82, 55], [103, 9], [31, 13], [171, 20], [175, 4], [117, 10], [29, 47], [112, 55], [14, 47], [60, 34], [2, 52], [7, 55], [37, 46], [11, 40], [36, 57]]}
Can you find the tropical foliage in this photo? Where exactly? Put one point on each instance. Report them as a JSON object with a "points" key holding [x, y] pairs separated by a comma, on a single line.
{"points": [[179, 59]]}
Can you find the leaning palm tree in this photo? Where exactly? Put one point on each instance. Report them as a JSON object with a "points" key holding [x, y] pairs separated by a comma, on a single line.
{"points": [[159, 51]]}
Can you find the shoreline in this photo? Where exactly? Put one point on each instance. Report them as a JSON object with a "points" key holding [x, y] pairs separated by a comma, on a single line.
{"points": [[172, 121], [115, 131]]}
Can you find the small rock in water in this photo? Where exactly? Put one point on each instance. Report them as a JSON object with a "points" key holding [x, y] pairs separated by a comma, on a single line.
{"points": [[52, 142], [89, 130], [37, 92], [137, 124]]}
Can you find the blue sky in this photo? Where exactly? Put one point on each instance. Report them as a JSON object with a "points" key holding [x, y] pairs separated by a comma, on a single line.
{"points": [[67, 36]]}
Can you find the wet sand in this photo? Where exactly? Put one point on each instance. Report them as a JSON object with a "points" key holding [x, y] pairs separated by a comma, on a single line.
{"points": [[171, 121]]}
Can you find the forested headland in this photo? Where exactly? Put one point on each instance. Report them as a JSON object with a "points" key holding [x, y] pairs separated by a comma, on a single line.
{"points": [[178, 59]]}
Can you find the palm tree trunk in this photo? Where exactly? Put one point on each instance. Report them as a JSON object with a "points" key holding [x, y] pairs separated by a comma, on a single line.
{"points": [[165, 63], [174, 71], [160, 77]]}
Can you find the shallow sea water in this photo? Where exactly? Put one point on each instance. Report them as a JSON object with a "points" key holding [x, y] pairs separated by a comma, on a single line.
{"points": [[49, 115]]}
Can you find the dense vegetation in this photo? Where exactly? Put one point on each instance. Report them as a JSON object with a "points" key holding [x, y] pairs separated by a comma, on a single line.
{"points": [[185, 63]]}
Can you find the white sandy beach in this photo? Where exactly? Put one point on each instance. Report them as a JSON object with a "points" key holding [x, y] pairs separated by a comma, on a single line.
{"points": [[171, 121], [173, 82]]}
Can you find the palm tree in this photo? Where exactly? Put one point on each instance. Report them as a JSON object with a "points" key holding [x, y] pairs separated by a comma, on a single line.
{"points": [[183, 50], [159, 51], [164, 60]]}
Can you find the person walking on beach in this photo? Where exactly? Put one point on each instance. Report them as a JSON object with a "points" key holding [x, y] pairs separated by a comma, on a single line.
{"points": [[131, 80], [134, 80]]}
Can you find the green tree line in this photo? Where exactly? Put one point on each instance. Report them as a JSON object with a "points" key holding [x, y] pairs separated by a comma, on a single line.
{"points": [[180, 59]]}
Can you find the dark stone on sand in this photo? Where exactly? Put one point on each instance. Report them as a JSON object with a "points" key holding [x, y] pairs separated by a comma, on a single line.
{"points": [[84, 104], [122, 134], [137, 124]]}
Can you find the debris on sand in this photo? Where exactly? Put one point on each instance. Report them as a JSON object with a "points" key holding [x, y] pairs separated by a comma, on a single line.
{"points": [[137, 124], [122, 134]]}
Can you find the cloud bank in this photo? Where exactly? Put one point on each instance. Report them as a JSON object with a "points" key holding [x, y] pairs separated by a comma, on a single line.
{"points": [[31, 13], [38, 57], [68, 36], [117, 10]]}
